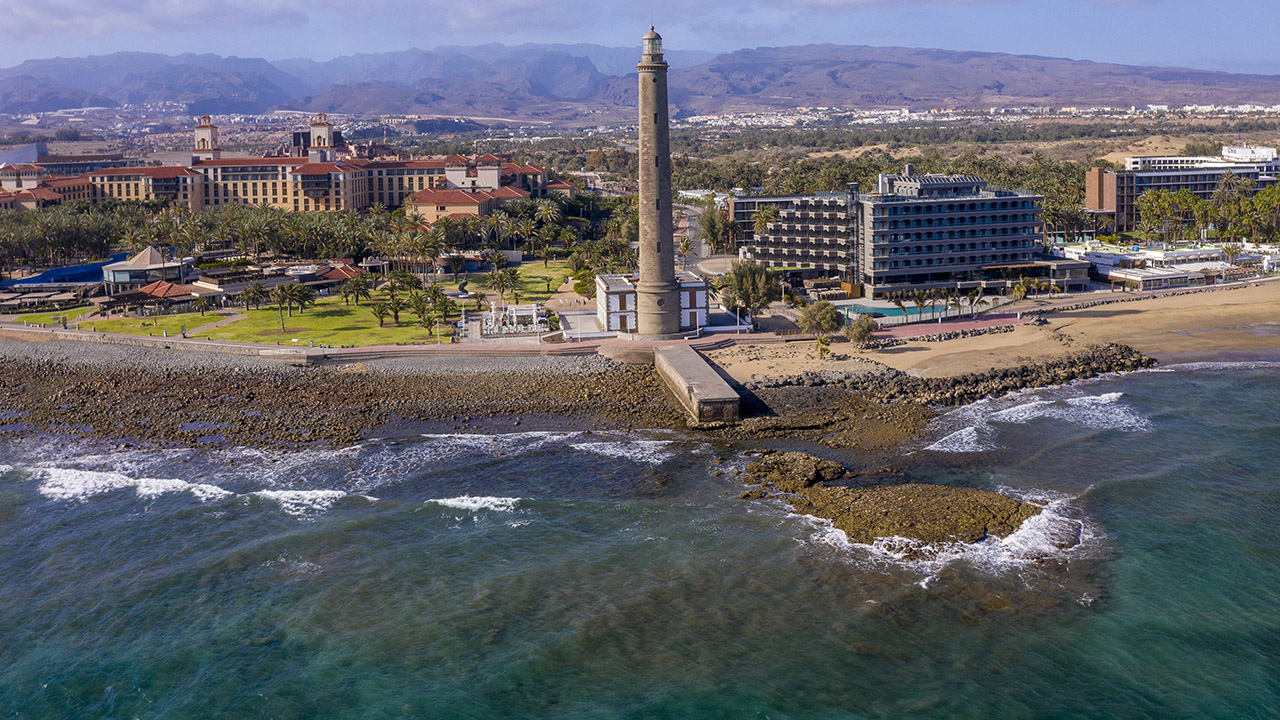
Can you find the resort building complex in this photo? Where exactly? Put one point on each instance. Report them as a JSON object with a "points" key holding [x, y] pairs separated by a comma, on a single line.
{"points": [[326, 177], [914, 232], [1115, 193]]}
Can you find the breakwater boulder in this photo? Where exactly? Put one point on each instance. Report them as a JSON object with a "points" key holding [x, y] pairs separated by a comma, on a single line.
{"points": [[1095, 360], [920, 512]]}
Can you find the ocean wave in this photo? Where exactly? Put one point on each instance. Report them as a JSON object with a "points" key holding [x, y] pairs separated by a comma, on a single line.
{"points": [[651, 452], [472, 503], [68, 484], [964, 440], [305, 504], [973, 428], [1237, 365]]}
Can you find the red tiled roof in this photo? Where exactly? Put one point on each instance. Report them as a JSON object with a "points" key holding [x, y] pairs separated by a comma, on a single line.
{"points": [[165, 289], [451, 197], [457, 160], [342, 272], [560, 184], [325, 168], [66, 181], [506, 191], [167, 171], [233, 162], [398, 164], [40, 193], [522, 169]]}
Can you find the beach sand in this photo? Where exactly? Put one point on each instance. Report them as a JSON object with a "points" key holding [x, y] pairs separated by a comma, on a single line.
{"points": [[1229, 324]]}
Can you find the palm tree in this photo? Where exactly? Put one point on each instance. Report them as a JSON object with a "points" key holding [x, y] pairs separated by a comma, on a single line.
{"points": [[280, 296], [935, 298], [764, 216], [497, 281], [686, 247], [255, 293], [897, 302], [379, 310], [456, 263], [302, 295], [546, 211], [420, 305], [920, 299], [395, 306], [355, 289], [201, 303], [478, 295], [973, 297], [1231, 251]]}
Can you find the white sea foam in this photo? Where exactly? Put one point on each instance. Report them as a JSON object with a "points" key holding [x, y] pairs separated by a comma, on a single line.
{"points": [[973, 428], [473, 503], [1100, 412], [964, 440], [651, 452], [1238, 365], [304, 504], [72, 484]]}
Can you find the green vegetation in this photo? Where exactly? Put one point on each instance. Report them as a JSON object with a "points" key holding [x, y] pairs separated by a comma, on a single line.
{"points": [[329, 322], [1234, 212], [158, 325], [859, 331], [749, 286], [821, 319], [50, 318]]}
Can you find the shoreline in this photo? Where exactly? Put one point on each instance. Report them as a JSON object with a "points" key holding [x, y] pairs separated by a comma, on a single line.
{"points": [[868, 401]]}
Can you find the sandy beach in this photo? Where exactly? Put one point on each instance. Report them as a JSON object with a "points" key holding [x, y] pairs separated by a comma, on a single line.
{"points": [[1228, 324]]}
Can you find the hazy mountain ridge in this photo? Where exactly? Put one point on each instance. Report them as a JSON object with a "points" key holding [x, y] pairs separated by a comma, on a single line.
{"points": [[592, 83]]}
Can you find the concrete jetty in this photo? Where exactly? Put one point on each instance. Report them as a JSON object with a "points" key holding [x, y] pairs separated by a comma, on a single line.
{"points": [[701, 391]]}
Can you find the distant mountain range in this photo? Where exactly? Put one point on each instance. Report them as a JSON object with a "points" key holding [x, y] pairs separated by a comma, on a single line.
{"points": [[590, 84]]}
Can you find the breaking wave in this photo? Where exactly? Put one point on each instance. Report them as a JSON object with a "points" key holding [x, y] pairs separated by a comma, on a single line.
{"points": [[973, 428], [473, 503], [651, 452], [79, 485], [305, 504]]}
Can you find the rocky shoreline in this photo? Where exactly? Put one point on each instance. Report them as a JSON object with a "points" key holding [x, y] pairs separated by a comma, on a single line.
{"points": [[169, 398], [875, 408], [926, 514]]}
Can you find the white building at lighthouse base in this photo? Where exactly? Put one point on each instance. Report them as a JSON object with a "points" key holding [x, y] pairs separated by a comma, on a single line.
{"points": [[616, 302]]}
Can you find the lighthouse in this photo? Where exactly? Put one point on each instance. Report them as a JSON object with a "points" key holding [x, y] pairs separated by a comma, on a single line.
{"points": [[657, 294]]}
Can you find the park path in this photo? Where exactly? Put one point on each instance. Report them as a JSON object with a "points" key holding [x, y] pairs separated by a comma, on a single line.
{"points": [[226, 320]]}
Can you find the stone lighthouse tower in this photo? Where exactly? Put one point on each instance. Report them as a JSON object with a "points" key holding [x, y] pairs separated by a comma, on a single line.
{"points": [[657, 294]]}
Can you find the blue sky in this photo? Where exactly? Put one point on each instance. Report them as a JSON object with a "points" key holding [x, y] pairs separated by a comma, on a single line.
{"points": [[1233, 35]]}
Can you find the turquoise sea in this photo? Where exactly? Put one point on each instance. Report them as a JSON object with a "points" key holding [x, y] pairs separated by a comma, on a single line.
{"points": [[606, 575]]}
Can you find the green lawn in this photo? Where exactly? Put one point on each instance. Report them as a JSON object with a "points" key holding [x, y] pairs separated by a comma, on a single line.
{"points": [[533, 286], [330, 322], [54, 318], [150, 325]]}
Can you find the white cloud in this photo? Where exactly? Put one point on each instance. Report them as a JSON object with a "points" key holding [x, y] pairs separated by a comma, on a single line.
{"points": [[91, 18]]}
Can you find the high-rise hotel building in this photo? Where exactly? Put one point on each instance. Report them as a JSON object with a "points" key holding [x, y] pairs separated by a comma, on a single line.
{"points": [[914, 232]]}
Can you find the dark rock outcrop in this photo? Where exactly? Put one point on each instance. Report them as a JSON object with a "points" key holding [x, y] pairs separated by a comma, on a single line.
{"points": [[920, 512]]}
